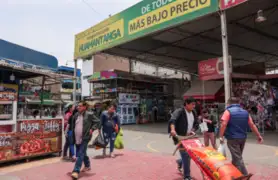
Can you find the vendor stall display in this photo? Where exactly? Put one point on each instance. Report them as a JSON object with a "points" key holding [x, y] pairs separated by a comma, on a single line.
{"points": [[131, 91], [258, 98], [27, 132], [128, 108]]}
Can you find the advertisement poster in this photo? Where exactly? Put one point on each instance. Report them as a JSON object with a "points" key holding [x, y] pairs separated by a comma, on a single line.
{"points": [[34, 138], [125, 98], [212, 69], [140, 20], [8, 92]]}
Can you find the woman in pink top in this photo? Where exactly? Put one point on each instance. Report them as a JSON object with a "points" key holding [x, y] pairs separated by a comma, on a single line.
{"points": [[68, 145]]}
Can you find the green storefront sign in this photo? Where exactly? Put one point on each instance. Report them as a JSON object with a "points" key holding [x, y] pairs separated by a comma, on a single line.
{"points": [[139, 20]]}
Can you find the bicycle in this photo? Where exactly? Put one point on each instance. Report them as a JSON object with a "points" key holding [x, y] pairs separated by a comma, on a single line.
{"points": [[212, 164]]}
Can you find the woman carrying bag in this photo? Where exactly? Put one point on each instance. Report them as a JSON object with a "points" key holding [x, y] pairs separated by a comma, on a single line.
{"points": [[110, 123], [208, 121]]}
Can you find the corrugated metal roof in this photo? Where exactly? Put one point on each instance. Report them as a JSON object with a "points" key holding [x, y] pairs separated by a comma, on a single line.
{"points": [[16, 52], [70, 69]]}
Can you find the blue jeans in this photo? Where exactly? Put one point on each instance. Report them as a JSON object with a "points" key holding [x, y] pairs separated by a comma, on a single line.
{"points": [[179, 162], [185, 158], [110, 138], [81, 153]]}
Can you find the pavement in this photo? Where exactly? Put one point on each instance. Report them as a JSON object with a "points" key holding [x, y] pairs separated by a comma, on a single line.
{"points": [[147, 156]]}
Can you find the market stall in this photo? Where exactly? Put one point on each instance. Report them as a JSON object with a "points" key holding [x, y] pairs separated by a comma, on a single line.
{"points": [[24, 135], [254, 90], [140, 98]]}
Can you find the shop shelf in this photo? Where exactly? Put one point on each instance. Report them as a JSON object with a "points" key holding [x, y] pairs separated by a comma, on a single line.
{"points": [[6, 102], [7, 122], [5, 116]]}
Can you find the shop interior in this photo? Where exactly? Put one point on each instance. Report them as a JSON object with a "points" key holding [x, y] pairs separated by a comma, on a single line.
{"points": [[140, 98]]}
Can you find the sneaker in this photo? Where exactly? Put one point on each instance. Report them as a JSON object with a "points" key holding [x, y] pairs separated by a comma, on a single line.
{"points": [[85, 169], [188, 178], [180, 169], [65, 158], [104, 152], [73, 159], [179, 166], [74, 175], [112, 155]]}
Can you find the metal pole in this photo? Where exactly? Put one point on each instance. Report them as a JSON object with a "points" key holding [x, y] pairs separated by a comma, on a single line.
{"points": [[226, 63], [130, 66], [74, 81], [41, 96]]}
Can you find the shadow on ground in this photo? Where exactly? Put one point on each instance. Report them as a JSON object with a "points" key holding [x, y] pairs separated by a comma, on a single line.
{"points": [[157, 128], [270, 137], [18, 162]]}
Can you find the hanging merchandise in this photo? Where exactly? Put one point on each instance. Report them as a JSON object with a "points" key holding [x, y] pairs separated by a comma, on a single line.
{"points": [[258, 98]]}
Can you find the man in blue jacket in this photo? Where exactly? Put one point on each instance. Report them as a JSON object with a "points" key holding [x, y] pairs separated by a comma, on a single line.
{"points": [[234, 126]]}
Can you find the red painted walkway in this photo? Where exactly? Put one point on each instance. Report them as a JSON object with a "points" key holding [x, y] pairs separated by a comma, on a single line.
{"points": [[129, 165]]}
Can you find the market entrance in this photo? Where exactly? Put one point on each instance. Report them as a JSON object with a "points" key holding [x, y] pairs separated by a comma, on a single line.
{"points": [[181, 45]]}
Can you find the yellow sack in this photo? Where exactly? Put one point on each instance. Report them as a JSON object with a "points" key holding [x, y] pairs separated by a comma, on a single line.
{"points": [[119, 143]]}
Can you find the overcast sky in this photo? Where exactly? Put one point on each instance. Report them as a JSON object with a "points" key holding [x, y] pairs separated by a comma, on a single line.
{"points": [[50, 25]]}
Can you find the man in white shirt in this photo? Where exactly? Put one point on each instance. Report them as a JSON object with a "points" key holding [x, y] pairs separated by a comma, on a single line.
{"points": [[183, 123]]}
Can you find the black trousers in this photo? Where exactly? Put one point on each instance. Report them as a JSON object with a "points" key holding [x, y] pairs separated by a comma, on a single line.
{"points": [[236, 147]]}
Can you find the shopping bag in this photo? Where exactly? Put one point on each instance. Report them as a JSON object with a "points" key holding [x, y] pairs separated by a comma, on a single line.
{"points": [[99, 141], [221, 149], [119, 143], [203, 127]]}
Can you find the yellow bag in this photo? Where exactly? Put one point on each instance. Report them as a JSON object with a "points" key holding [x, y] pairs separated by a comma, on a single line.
{"points": [[119, 143]]}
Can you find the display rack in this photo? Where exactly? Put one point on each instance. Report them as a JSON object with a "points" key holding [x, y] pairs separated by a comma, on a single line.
{"points": [[8, 118]]}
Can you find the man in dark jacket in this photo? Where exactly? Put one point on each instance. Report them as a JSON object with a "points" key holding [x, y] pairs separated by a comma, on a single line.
{"points": [[183, 123], [83, 125]]}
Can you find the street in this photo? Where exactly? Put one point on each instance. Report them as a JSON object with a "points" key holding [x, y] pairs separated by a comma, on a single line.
{"points": [[147, 155]]}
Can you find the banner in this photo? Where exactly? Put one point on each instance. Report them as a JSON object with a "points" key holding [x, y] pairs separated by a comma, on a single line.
{"points": [[8, 92], [140, 20], [34, 138], [211, 69], [225, 4], [129, 98]]}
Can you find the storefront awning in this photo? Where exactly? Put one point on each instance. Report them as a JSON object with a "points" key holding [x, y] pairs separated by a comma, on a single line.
{"points": [[206, 90], [48, 102]]}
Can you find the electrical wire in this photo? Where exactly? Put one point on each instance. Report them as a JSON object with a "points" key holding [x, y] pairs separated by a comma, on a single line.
{"points": [[93, 9]]}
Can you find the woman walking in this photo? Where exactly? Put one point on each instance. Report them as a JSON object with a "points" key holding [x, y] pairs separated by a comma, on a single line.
{"points": [[69, 146], [110, 124], [209, 136]]}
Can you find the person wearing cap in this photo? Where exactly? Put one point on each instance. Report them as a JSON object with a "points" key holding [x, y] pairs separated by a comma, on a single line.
{"points": [[234, 126], [184, 122], [110, 123]]}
